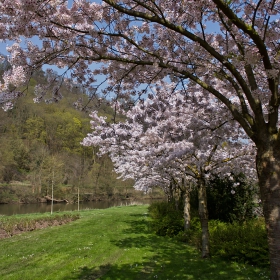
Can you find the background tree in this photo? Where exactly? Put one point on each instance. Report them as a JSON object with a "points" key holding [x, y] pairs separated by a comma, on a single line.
{"points": [[31, 133]]}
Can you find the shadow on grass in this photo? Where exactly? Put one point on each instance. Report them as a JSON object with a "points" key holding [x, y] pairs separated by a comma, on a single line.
{"points": [[138, 227], [160, 268], [165, 259]]}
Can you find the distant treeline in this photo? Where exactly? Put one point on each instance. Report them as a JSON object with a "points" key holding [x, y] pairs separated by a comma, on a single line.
{"points": [[40, 147]]}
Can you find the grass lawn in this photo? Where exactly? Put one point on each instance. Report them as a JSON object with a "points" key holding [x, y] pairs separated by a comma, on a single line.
{"points": [[112, 243]]}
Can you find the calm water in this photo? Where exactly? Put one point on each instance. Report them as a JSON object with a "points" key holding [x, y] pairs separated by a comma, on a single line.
{"points": [[11, 209]]}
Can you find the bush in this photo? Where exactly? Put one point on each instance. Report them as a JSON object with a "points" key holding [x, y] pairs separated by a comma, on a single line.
{"points": [[230, 199], [166, 219], [242, 242], [193, 235], [246, 242]]}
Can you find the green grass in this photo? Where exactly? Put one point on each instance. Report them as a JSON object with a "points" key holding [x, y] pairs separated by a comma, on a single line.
{"points": [[114, 243], [15, 224]]}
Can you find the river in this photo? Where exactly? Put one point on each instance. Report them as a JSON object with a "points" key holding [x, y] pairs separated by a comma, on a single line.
{"points": [[12, 209]]}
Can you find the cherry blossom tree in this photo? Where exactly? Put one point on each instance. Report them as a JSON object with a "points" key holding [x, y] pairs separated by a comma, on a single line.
{"points": [[168, 140], [228, 48]]}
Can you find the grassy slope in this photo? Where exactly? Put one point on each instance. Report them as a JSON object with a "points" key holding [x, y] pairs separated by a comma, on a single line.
{"points": [[114, 243]]}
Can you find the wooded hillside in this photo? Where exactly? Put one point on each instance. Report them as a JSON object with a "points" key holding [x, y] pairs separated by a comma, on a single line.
{"points": [[40, 145]]}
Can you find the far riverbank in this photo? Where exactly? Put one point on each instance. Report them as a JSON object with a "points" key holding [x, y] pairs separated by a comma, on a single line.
{"points": [[20, 208]]}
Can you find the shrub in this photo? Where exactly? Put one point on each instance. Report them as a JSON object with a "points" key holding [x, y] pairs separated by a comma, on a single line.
{"points": [[166, 219], [242, 242], [230, 199], [193, 235], [246, 242]]}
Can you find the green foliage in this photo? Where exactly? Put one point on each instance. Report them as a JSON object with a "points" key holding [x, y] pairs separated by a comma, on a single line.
{"points": [[34, 129], [18, 192], [193, 235], [246, 242], [230, 200], [32, 135], [166, 219], [242, 242], [7, 194]]}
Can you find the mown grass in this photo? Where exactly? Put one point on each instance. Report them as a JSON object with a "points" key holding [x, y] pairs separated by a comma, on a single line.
{"points": [[113, 243]]}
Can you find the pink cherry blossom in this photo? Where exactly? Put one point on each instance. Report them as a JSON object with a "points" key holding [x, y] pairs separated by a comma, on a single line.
{"points": [[141, 43]]}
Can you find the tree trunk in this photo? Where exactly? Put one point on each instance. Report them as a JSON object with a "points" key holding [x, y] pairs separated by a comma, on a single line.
{"points": [[187, 211], [170, 193], [268, 168], [203, 215]]}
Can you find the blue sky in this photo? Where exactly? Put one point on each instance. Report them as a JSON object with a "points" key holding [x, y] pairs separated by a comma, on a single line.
{"points": [[211, 27]]}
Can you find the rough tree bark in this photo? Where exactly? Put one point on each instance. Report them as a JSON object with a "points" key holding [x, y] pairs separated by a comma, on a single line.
{"points": [[187, 210], [268, 168], [203, 215]]}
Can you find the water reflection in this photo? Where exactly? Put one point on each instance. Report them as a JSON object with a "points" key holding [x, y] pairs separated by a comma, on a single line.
{"points": [[12, 209]]}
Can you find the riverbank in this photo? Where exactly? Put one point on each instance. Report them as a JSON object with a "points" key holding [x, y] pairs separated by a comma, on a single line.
{"points": [[20, 193], [19, 208], [113, 243], [12, 225]]}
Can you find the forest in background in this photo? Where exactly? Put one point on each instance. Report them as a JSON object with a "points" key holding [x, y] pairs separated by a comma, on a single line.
{"points": [[40, 148]]}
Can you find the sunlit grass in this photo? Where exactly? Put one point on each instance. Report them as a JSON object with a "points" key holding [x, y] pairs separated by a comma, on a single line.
{"points": [[11, 225], [114, 243]]}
